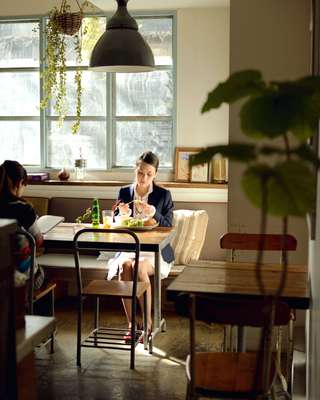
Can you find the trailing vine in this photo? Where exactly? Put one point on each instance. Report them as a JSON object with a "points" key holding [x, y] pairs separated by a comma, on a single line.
{"points": [[54, 76]]}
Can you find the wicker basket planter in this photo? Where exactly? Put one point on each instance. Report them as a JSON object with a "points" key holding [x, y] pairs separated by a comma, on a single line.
{"points": [[69, 23]]}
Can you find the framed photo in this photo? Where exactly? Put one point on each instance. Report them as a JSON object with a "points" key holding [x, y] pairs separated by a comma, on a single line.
{"points": [[183, 173]]}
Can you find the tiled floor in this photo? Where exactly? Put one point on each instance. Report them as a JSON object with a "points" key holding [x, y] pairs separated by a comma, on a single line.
{"points": [[105, 374]]}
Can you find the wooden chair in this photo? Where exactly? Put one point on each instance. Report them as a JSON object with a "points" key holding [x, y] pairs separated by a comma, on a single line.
{"points": [[103, 337], [45, 293], [271, 242], [244, 375]]}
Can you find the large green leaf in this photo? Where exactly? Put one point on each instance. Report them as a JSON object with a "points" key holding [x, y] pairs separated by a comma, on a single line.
{"points": [[241, 152], [240, 84], [270, 115], [306, 119], [290, 188]]}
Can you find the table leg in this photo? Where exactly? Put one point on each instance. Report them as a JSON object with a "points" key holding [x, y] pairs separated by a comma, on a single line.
{"points": [[157, 292]]}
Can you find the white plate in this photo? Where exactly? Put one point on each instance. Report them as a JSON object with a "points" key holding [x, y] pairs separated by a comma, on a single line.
{"points": [[137, 228]]}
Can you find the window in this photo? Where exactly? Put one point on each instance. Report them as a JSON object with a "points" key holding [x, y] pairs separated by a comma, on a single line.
{"points": [[122, 114]]}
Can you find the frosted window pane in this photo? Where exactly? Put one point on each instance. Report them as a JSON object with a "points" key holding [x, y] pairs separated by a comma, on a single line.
{"points": [[64, 147], [19, 94], [94, 28], [93, 98], [19, 44], [20, 140], [158, 34], [135, 137], [144, 94]]}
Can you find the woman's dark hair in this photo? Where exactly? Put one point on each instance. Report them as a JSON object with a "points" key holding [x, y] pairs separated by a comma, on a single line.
{"points": [[149, 158], [15, 172]]}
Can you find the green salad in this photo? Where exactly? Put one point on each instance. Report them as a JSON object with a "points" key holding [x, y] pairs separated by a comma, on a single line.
{"points": [[132, 222]]}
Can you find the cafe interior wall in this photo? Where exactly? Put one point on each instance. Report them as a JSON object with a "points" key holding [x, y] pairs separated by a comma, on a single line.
{"points": [[274, 37], [202, 61]]}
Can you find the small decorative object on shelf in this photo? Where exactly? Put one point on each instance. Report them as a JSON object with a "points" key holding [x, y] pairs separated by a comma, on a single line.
{"points": [[80, 165], [63, 174], [38, 176], [183, 172], [95, 213], [219, 170]]}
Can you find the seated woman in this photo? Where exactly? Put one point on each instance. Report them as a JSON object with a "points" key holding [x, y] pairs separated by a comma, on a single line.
{"points": [[13, 180], [152, 202]]}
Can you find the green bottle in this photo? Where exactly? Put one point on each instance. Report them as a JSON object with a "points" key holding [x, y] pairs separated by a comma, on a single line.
{"points": [[95, 214]]}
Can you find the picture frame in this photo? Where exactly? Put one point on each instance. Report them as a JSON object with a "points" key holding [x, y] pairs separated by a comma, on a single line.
{"points": [[183, 172]]}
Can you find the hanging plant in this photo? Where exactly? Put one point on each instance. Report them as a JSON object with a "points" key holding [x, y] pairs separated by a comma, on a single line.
{"points": [[61, 23]]}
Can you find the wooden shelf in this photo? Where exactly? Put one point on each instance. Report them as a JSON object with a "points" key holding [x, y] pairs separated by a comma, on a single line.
{"points": [[123, 183]]}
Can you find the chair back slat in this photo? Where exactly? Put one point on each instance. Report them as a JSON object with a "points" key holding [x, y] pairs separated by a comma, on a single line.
{"points": [[233, 312], [251, 241]]}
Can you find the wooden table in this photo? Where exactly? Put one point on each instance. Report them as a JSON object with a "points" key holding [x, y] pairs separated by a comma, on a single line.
{"points": [[237, 281], [61, 237]]}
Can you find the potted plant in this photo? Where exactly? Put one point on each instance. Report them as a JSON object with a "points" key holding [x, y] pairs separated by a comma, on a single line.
{"points": [[62, 22], [279, 177]]}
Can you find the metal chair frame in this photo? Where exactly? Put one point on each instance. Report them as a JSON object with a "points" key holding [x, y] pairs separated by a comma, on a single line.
{"points": [[105, 337]]}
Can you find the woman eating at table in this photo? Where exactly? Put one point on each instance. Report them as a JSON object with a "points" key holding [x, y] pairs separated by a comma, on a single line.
{"points": [[145, 200], [13, 180]]}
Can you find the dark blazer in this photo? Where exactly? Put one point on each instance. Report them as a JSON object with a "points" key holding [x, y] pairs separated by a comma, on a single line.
{"points": [[161, 199]]}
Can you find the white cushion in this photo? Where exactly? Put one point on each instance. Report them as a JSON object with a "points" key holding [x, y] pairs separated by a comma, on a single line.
{"points": [[191, 227], [67, 261]]}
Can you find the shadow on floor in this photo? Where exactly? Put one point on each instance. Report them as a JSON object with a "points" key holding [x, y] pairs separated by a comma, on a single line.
{"points": [[105, 374]]}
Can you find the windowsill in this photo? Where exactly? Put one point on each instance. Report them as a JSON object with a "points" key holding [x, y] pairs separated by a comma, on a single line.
{"points": [[181, 191], [123, 183]]}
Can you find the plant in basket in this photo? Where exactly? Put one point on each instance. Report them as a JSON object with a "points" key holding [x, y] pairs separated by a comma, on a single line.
{"points": [[62, 23]]}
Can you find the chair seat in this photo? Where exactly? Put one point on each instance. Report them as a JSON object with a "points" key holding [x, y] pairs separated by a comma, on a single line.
{"points": [[39, 293], [226, 372], [114, 288]]}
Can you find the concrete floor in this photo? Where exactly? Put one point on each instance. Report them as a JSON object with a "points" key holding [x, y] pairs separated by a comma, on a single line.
{"points": [[105, 374]]}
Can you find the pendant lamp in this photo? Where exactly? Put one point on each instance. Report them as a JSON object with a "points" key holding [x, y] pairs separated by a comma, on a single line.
{"points": [[121, 48]]}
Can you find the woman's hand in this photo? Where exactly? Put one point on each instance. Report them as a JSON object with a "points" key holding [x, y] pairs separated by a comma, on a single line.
{"points": [[124, 209], [147, 209]]}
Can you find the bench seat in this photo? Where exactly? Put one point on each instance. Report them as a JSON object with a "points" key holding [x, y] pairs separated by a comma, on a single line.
{"points": [[61, 267]]}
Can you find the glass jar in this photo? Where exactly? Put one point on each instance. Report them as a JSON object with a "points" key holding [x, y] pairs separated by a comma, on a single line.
{"points": [[80, 166]]}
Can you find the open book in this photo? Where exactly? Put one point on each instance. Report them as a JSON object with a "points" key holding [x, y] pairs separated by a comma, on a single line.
{"points": [[47, 222]]}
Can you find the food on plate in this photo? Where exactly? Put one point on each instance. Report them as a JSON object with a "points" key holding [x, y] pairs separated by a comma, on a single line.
{"points": [[132, 222], [149, 222]]}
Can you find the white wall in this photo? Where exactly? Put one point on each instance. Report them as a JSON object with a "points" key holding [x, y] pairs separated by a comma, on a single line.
{"points": [[203, 61], [272, 36]]}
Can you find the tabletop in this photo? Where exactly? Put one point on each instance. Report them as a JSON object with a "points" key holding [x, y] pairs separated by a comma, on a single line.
{"points": [[238, 280], [62, 235], [37, 329]]}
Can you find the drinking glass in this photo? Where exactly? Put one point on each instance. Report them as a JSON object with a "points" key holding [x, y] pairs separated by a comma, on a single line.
{"points": [[107, 218]]}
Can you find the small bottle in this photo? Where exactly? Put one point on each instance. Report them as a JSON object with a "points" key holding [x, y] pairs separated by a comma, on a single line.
{"points": [[95, 214]]}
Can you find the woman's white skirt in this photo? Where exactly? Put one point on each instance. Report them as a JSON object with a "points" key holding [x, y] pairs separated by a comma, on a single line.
{"points": [[115, 263]]}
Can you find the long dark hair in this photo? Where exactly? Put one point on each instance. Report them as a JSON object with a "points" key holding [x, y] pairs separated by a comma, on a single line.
{"points": [[149, 158], [13, 171]]}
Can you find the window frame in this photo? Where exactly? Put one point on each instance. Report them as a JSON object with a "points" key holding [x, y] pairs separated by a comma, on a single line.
{"points": [[45, 118]]}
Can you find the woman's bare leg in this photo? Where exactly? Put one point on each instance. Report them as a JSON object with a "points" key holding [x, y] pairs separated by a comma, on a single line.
{"points": [[126, 274], [145, 271]]}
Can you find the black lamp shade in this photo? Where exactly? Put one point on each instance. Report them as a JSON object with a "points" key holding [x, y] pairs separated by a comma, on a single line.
{"points": [[121, 48]]}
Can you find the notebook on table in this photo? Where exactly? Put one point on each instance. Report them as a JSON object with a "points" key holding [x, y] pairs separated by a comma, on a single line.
{"points": [[47, 222]]}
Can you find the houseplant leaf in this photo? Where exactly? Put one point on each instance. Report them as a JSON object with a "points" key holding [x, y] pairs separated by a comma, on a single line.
{"points": [[269, 115], [290, 187], [240, 84], [241, 152]]}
